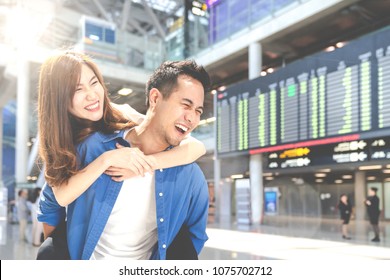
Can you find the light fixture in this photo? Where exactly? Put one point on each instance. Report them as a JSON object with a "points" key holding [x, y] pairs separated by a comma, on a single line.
{"points": [[237, 176], [125, 91], [221, 88], [326, 170], [386, 171], [330, 49], [319, 180], [370, 167], [263, 73], [338, 181], [214, 91], [270, 70], [347, 176], [371, 178], [320, 175]]}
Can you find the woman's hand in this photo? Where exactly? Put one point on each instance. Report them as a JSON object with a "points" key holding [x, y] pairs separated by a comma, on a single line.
{"points": [[128, 162]]}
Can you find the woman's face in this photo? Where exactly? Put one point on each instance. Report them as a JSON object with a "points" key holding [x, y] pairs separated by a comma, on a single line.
{"points": [[88, 100]]}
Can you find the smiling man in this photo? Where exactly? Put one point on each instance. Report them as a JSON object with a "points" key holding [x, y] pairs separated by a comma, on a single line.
{"points": [[174, 96]]}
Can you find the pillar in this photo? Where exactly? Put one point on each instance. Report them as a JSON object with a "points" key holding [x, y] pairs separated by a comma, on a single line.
{"points": [[22, 120], [360, 208], [255, 161]]}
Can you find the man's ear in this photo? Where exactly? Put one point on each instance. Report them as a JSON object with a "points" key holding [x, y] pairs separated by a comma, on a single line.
{"points": [[154, 96]]}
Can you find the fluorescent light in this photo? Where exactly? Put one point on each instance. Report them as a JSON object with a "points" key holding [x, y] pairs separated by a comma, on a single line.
{"points": [[370, 167], [319, 180], [237, 176], [324, 170], [320, 175], [338, 181], [371, 178], [330, 49], [386, 171], [347, 176], [125, 91]]}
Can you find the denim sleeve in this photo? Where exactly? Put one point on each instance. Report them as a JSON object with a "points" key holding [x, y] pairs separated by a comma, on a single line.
{"points": [[198, 212], [49, 211]]}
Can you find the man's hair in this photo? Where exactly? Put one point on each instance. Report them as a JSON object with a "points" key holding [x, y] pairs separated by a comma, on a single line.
{"points": [[164, 78]]}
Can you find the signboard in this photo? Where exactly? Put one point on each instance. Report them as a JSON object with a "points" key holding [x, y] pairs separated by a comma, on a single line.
{"points": [[323, 96], [343, 152]]}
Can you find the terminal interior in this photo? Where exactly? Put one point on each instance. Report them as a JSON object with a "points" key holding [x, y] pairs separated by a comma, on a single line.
{"points": [[298, 112]]}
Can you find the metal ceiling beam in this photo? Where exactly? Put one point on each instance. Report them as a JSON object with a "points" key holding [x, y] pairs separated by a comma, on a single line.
{"points": [[155, 21], [102, 10], [125, 14], [137, 26], [82, 8]]}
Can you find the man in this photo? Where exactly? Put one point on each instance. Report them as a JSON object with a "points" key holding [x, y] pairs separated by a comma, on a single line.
{"points": [[151, 214], [372, 204], [23, 214]]}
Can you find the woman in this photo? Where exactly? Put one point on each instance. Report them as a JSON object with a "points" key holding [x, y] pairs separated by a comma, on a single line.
{"points": [[345, 209], [71, 85]]}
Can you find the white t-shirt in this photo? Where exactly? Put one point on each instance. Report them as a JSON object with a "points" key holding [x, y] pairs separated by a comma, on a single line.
{"points": [[131, 229]]}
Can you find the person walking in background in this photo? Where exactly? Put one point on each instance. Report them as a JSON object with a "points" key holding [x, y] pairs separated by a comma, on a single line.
{"points": [[37, 227], [372, 204], [345, 209], [23, 214]]}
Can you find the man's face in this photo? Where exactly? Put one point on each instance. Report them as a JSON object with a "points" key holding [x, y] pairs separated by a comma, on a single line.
{"points": [[179, 114]]}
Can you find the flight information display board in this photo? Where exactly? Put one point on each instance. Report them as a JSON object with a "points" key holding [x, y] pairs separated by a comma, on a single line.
{"points": [[324, 96], [343, 152]]}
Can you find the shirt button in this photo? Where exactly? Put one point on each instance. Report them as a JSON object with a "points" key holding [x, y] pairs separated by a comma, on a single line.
{"points": [[164, 246], [161, 220], [160, 194]]}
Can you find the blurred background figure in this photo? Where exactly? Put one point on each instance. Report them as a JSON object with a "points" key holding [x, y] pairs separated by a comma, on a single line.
{"points": [[23, 214], [345, 209], [372, 203], [37, 227]]}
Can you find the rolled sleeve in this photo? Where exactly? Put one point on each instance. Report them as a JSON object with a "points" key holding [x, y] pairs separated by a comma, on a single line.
{"points": [[49, 211]]}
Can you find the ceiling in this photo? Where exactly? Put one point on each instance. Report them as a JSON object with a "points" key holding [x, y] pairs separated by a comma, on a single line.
{"points": [[151, 18]]}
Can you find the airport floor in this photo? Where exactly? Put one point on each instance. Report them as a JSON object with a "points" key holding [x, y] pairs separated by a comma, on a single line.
{"points": [[299, 240]]}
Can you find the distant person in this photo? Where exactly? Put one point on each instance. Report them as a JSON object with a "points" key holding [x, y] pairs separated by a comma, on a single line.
{"points": [[23, 214], [345, 209], [37, 227], [372, 203]]}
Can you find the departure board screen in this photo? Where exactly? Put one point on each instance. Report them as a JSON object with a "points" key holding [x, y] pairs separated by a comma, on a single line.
{"points": [[323, 96]]}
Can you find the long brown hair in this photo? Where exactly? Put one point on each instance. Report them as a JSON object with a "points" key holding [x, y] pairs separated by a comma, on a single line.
{"points": [[60, 131]]}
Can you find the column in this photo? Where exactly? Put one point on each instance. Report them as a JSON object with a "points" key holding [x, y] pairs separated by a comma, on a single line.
{"points": [[22, 120], [1, 149], [255, 164], [217, 168], [225, 198], [360, 208]]}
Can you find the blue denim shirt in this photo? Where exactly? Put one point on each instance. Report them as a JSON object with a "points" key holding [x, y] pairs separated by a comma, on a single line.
{"points": [[181, 195]]}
